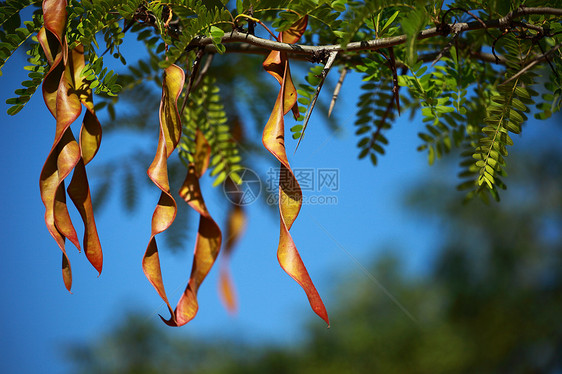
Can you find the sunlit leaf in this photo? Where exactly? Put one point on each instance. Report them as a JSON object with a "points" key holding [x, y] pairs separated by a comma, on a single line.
{"points": [[290, 195], [208, 242], [276, 62], [165, 212], [65, 153], [90, 138]]}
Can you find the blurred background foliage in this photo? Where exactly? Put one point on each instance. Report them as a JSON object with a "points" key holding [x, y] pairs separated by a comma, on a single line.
{"points": [[490, 302]]}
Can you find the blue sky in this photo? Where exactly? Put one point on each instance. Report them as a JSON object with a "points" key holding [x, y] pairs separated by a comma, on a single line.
{"points": [[40, 318]]}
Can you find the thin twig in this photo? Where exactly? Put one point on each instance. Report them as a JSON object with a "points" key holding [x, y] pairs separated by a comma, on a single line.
{"points": [[194, 69], [487, 57], [337, 90], [445, 49], [484, 26], [547, 60], [253, 19], [532, 63], [504, 33], [324, 74], [529, 26], [204, 70], [395, 86]]}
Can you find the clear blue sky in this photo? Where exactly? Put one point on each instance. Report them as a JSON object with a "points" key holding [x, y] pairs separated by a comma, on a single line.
{"points": [[40, 318]]}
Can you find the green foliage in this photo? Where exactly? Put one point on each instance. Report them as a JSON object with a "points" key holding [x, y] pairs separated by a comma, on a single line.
{"points": [[130, 190], [9, 13], [101, 80], [12, 36], [437, 110], [88, 18], [143, 71], [324, 18], [36, 74], [205, 112], [194, 19], [505, 113], [412, 23], [443, 97], [376, 110], [451, 93], [306, 94], [360, 18], [552, 99]]}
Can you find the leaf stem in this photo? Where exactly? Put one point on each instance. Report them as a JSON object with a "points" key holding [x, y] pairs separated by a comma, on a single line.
{"points": [[325, 72]]}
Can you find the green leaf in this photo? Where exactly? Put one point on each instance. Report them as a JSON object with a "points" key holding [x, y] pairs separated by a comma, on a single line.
{"points": [[14, 109], [216, 34], [339, 5], [389, 22]]}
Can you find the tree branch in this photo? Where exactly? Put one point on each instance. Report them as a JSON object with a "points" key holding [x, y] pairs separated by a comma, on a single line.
{"points": [[353, 60], [300, 49], [337, 90]]}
